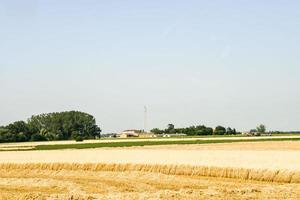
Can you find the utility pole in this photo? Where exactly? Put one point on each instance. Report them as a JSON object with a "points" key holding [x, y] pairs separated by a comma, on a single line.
{"points": [[145, 119]]}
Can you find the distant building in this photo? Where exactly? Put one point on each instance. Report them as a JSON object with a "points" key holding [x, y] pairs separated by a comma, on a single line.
{"points": [[171, 135], [135, 133], [130, 133], [251, 133], [146, 135]]}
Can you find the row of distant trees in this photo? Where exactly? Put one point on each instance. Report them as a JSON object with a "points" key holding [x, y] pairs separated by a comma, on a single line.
{"points": [[196, 130], [52, 126]]}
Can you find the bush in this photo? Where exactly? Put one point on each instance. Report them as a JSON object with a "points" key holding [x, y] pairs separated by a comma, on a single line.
{"points": [[6, 136], [38, 137], [79, 139], [21, 137]]}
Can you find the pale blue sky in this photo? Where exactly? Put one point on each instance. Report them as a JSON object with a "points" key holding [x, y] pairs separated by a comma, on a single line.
{"points": [[234, 63]]}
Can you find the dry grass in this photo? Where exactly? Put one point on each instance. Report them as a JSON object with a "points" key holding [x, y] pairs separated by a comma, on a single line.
{"points": [[127, 181]]}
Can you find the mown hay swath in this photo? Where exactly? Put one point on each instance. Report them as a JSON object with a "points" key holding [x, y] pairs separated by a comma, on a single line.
{"points": [[283, 176]]}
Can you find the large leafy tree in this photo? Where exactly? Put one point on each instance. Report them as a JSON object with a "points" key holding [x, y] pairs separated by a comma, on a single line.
{"points": [[51, 126], [63, 124], [18, 127], [18, 131]]}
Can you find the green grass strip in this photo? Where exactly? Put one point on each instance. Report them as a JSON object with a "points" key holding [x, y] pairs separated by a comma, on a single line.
{"points": [[148, 143]]}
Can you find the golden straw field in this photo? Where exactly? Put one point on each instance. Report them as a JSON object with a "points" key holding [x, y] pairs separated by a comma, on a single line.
{"points": [[258, 170]]}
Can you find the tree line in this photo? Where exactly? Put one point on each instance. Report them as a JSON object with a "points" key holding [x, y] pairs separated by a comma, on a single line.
{"points": [[196, 130], [52, 126]]}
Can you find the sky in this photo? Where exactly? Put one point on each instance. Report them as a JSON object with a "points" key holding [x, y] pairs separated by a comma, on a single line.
{"points": [[213, 62]]}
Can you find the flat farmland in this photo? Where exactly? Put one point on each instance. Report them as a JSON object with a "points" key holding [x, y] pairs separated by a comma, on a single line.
{"points": [[137, 142], [258, 155], [241, 170], [127, 185]]}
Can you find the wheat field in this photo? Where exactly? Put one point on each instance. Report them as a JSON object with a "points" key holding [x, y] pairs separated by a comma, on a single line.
{"points": [[121, 181], [83, 177]]}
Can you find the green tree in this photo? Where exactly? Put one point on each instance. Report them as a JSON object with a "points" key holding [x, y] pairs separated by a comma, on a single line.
{"points": [[21, 137], [64, 123], [220, 130], [261, 128], [234, 132], [18, 127], [209, 131], [6, 136], [170, 128], [194, 130], [51, 126], [38, 137], [230, 131], [157, 131]]}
